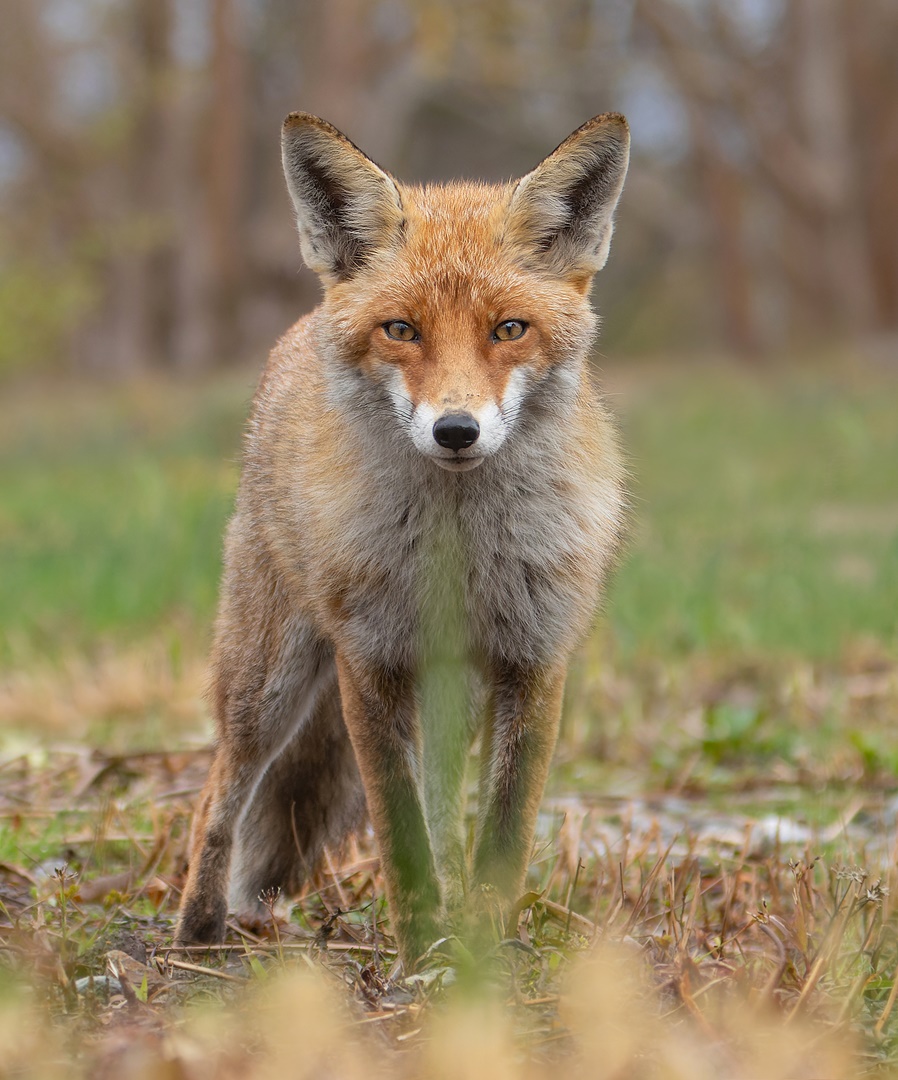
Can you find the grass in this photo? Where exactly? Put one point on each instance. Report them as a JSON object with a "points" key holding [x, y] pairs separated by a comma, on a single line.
{"points": [[707, 893], [766, 515], [112, 514], [635, 956]]}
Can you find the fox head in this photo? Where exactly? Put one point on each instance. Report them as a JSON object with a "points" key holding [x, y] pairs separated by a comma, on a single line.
{"points": [[464, 306]]}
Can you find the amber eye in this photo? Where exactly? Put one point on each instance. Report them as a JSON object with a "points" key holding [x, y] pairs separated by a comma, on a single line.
{"points": [[510, 330], [400, 331]]}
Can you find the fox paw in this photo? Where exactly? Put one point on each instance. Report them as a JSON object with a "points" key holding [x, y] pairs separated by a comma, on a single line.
{"points": [[202, 924]]}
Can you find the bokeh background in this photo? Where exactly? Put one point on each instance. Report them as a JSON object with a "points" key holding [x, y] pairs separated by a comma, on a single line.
{"points": [[750, 337], [146, 225]]}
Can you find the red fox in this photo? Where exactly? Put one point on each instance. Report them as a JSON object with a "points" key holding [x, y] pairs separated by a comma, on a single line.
{"points": [[431, 499]]}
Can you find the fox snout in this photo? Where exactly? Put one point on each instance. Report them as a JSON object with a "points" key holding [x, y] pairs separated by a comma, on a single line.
{"points": [[456, 431], [456, 439]]}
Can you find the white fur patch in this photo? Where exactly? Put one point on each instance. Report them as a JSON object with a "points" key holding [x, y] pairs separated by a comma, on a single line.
{"points": [[399, 395], [421, 430], [515, 392], [492, 428], [496, 420]]}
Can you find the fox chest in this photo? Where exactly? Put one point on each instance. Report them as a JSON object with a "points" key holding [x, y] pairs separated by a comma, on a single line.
{"points": [[507, 577]]}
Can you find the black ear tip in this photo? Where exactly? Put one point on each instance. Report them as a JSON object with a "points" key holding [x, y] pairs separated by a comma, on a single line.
{"points": [[297, 122], [610, 125], [295, 119]]}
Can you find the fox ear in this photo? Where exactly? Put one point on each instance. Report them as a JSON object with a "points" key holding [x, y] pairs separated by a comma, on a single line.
{"points": [[346, 207], [562, 214]]}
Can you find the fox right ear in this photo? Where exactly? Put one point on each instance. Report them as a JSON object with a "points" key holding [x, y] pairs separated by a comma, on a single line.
{"points": [[346, 207]]}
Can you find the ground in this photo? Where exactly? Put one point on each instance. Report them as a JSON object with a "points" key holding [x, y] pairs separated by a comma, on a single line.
{"points": [[710, 889]]}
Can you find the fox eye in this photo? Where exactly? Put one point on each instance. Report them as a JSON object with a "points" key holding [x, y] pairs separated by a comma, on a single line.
{"points": [[400, 331], [510, 330]]}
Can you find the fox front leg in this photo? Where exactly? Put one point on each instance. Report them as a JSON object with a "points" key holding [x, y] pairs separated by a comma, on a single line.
{"points": [[519, 740], [381, 716]]}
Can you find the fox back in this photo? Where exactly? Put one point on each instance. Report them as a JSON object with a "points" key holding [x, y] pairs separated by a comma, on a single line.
{"points": [[431, 498]]}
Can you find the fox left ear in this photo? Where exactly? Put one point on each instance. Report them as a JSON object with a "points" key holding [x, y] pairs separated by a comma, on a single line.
{"points": [[562, 214]]}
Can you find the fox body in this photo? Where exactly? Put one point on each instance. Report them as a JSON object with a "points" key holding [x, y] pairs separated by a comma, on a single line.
{"points": [[430, 502]]}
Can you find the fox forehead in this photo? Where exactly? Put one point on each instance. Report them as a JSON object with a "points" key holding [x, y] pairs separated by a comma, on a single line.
{"points": [[455, 202], [453, 252], [456, 270]]}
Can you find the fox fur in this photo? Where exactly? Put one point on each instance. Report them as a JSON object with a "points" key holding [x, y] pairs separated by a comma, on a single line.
{"points": [[431, 499]]}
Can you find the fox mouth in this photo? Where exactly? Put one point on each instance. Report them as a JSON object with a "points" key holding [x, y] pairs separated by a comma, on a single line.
{"points": [[458, 463]]}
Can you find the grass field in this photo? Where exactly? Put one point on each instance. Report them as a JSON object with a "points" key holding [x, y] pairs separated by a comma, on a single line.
{"points": [[723, 803], [765, 514]]}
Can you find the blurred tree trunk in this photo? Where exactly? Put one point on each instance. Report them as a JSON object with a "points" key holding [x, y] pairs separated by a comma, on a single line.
{"points": [[722, 182], [224, 181], [724, 190], [872, 73], [142, 268], [359, 76], [339, 60], [823, 111]]}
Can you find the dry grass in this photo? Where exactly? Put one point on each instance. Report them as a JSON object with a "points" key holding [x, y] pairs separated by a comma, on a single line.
{"points": [[635, 956], [115, 699]]}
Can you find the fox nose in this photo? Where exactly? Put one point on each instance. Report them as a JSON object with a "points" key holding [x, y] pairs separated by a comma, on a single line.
{"points": [[456, 431]]}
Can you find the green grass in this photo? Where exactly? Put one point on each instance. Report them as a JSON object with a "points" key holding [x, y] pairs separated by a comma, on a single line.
{"points": [[765, 514], [111, 514]]}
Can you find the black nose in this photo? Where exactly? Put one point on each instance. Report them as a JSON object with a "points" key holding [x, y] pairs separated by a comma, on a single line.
{"points": [[456, 430]]}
